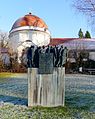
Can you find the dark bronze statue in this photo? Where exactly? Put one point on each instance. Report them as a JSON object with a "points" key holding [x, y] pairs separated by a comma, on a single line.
{"points": [[36, 57], [59, 55], [62, 56], [30, 56]]}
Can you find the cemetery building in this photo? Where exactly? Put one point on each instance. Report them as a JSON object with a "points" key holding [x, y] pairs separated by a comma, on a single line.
{"points": [[32, 30], [76, 45]]}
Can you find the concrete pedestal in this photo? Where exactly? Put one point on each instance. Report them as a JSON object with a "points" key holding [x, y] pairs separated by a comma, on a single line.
{"points": [[46, 89]]}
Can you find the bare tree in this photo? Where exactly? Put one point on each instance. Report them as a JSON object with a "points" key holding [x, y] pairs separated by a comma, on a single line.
{"points": [[87, 7], [3, 39]]}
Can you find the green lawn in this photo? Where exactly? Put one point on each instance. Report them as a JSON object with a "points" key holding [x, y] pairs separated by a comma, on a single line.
{"points": [[79, 101], [8, 74], [10, 111]]}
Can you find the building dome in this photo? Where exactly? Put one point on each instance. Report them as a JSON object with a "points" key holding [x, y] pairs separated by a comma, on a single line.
{"points": [[28, 30], [29, 20]]}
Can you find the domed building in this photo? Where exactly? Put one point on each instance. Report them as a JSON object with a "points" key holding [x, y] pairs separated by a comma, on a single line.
{"points": [[32, 30], [28, 30]]}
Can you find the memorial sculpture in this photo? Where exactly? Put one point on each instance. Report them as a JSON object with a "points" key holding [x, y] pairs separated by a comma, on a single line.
{"points": [[46, 76], [59, 55], [46, 71]]}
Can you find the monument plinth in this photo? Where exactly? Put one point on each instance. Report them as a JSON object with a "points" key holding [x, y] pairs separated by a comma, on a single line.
{"points": [[46, 84], [46, 89]]}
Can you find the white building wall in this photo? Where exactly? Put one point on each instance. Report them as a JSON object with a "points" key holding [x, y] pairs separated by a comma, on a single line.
{"points": [[21, 39], [80, 44], [92, 56], [14, 40]]}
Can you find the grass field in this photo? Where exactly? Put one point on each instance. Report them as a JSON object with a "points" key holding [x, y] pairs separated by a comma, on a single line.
{"points": [[79, 101], [9, 75]]}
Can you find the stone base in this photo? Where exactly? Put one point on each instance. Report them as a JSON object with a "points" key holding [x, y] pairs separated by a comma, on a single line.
{"points": [[46, 89]]}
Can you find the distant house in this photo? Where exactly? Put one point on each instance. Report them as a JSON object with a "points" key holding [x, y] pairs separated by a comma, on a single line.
{"points": [[76, 45]]}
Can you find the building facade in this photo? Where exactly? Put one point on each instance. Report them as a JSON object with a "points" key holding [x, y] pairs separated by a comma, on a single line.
{"points": [[76, 45], [32, 30]]}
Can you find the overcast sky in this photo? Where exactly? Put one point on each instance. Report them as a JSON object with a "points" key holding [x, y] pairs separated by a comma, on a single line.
{"points": [[62, 19]]}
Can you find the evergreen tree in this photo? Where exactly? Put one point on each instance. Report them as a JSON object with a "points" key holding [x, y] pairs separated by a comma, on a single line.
{"points": [[80, 33], [87, 34]]}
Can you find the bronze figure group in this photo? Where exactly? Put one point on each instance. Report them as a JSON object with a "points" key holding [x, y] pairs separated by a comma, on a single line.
{"points": [[59, 55]]}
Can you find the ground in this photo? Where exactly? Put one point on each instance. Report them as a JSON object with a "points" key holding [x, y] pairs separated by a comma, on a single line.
{"points": [[79, 101]]}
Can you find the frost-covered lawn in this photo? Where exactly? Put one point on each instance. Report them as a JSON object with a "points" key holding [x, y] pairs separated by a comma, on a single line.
{"points": [[79, 102]]}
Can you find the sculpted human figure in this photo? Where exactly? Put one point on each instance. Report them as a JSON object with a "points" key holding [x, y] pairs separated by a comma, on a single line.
{"points": [[56, 56], [48, 49], [61, 51], [62, 56], [52, 51], [36, 57], [30, 56]]}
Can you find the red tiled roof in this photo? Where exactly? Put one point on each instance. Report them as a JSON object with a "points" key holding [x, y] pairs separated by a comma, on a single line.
{"points": [[57, 41]]}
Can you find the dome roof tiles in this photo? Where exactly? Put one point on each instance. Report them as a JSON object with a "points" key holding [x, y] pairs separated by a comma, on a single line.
{"points": [[29, 20]]}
